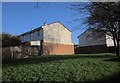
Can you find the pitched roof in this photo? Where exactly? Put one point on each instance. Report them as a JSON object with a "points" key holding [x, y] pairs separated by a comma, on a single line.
{"points": [[39, 28], [28, 32], [92, 29]]}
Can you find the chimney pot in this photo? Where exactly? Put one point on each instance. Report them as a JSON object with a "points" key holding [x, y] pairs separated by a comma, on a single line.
{"points": [[45, 23]]}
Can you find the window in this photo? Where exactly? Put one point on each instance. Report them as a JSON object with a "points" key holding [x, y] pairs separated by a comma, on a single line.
{"points": [[23, 38], [31, 36], [38, 34]]}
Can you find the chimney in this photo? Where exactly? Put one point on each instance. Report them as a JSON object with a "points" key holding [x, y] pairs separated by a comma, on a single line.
{"points": [[31, 28], [45, 23]]}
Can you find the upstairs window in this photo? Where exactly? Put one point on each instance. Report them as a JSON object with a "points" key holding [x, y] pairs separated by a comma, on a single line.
{"points": [[31, 36], [38, 34]]}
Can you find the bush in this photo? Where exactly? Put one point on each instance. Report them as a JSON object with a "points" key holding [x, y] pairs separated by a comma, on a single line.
{"points": [[10, 40]]}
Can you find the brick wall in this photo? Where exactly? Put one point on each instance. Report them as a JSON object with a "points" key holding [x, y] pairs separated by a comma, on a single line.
{"points": [[57, 49]]}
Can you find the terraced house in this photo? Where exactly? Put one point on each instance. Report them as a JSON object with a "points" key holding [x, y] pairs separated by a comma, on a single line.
{"points": [[95, 41], [53, 39]]}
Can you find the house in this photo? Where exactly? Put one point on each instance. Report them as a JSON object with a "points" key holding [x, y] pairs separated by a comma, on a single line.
{"points": [[95, 41], [53, 39]]}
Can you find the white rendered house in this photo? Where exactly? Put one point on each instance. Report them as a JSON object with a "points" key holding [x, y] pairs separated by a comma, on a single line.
{"points": [[94, 41], [52, 37]]}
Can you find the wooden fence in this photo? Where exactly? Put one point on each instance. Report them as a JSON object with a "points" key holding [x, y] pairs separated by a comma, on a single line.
{"points": [[94, 49]]}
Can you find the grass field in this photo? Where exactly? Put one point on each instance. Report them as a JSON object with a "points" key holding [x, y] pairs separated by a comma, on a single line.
{"points": [[84, 67]]}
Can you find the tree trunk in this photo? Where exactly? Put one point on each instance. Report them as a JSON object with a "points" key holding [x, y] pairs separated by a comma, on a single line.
{"points": [[114, 45], [117, 48]]}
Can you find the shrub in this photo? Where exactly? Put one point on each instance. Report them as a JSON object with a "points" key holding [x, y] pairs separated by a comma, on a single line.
{"points": [[10, 40]]}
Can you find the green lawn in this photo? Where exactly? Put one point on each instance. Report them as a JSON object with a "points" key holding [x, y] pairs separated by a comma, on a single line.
{"points": [[84, 67]]}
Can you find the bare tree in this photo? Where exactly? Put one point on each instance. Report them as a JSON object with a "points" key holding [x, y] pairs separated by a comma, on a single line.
{"points": [[102, 16]]}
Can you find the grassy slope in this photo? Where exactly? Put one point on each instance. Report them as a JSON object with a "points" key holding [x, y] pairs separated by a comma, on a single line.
{"points": [[62, 68]]}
